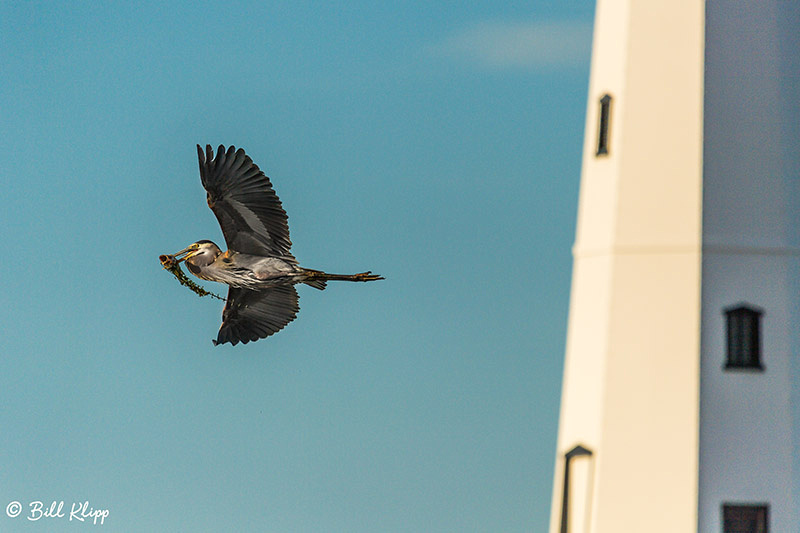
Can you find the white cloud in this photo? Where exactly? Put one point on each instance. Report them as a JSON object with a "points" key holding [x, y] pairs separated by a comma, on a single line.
{"points": [[506, 45]]}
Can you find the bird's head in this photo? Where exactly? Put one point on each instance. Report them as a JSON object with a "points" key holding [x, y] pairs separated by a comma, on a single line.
{"points": [[200, 253]]}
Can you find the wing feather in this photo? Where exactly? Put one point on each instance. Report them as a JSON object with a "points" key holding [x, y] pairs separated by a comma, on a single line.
{"points": [[252, 315], [242, 198]]}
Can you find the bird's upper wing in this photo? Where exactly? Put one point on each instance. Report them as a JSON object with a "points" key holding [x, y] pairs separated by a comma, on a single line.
{"points": [[241, 196], [252, 315]]}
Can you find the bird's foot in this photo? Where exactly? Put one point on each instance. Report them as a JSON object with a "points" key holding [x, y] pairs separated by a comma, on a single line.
{"points": [[367, 276]]}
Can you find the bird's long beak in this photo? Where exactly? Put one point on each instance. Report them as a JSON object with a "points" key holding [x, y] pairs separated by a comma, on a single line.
{"points": [[180, 256]]}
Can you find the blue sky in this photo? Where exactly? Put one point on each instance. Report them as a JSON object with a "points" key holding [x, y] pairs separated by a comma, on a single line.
{"points": [[437, 144]]}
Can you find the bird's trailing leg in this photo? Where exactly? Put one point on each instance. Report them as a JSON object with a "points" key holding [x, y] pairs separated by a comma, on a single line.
{"points": [[318, 278]]}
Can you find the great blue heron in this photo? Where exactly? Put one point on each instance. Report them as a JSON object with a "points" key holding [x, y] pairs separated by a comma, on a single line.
{"points": [[258, 267]]}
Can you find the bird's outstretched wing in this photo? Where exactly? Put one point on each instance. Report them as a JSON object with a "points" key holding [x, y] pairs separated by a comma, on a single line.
{"points": [[252, 315], [241, 196]]}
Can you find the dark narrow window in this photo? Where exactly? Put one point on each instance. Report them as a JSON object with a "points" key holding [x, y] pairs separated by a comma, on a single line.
{"points": [[744, 337], [744, 518], [605, 116], [577, 451]]}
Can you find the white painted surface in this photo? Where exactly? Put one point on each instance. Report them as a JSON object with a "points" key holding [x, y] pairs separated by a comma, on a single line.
{"points": [[751, 218], [631, 379], [696, 208]]}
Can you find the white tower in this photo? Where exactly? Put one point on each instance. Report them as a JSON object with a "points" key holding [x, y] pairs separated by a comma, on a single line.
{"points": [[681, 398]]}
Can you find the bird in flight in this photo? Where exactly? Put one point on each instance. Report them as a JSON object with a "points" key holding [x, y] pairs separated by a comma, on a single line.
{"points": [[258, 267]]}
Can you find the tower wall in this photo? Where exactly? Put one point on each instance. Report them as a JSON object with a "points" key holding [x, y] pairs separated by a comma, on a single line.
{"points": [[631, 383], [694, 209], [751, 253]]}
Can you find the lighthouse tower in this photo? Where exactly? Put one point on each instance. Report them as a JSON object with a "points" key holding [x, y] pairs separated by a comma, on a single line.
{"points": [[680, 408]]}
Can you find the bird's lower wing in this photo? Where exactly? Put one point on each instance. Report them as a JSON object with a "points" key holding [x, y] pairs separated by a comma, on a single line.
{"points": [[252, 315]]}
